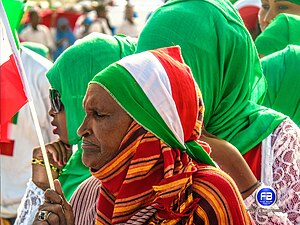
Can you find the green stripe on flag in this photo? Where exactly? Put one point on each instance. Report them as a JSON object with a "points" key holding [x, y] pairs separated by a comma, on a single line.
{"points": [[14, 10]]}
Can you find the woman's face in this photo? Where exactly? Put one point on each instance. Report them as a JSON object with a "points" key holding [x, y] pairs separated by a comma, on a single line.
{"points": [[103, 127], [271, 8], [59, 121]]}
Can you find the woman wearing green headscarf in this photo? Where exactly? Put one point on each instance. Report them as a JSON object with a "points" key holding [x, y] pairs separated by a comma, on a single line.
{"points": [[69, 78], [282, 70], [284, 30], [225, 64], [271, 8]]}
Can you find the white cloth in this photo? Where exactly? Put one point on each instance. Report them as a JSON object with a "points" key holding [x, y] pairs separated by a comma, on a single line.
{"points": [[84, 208], [16, 169], [129, 29], [42, 35], [281, 170], [29, 206], [245, 3], [100, 26]]}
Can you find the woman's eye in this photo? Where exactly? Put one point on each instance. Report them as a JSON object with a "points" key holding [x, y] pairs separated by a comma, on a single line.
{"points": [[98, 115], [283, 7], [265, 6]]}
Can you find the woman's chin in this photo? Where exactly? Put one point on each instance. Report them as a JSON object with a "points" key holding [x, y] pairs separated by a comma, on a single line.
{"points": [[90, 162]]}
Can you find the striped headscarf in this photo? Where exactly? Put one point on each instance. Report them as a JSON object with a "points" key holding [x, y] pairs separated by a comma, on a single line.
{"points": [[161, 172], [214, 41], [284, 30], [282, 72]]}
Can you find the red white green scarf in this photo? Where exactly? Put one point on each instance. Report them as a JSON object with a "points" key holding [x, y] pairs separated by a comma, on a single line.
{"points": [[154, 177]]}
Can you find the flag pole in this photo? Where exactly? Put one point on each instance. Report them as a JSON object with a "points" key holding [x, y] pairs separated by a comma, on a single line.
{"points": [[28, 93]]}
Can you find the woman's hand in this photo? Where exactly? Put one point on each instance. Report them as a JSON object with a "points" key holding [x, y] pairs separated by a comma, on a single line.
{"points": [[55, 210], [58, 155]]}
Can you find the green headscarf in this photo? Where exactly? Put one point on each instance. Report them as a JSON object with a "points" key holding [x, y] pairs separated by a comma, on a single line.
{"points": [[70, 75], [284, 30], [295, 1], [37, 48], [224, 62], [282, 72]]}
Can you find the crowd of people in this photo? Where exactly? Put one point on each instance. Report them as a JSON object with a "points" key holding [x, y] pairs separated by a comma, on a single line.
{"points": [[181, 119], [59, 34]]}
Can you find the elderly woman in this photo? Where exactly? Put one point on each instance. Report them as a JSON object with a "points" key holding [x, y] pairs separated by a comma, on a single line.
{"points": [[224, 61], [69, 78], [282, 73], [284, 30], [139, 137]]}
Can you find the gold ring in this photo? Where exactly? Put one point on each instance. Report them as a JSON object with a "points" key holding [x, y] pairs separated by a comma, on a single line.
{"points": [[43, 215]]}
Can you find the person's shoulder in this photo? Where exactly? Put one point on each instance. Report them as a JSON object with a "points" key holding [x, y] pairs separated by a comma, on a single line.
{"points": [[26, 29], [288, 131], [43, 27]]}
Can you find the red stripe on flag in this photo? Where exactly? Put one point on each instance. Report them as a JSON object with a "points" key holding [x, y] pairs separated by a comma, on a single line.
{"points": [[7, 148], [6, 145], [12, 94]]}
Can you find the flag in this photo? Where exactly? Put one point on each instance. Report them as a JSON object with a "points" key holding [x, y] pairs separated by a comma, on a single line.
{"points": [[12, 93], [12, 90]]}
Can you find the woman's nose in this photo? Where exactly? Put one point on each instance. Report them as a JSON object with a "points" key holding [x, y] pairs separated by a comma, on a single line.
{"points": [[270, 15], [83, 130]]}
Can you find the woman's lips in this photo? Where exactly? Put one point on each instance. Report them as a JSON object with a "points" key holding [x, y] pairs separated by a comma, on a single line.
{"points": [[87, 145], [55, 128], [55, 131]]}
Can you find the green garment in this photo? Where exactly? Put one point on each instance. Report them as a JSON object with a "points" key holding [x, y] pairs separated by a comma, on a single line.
{"points": [[295, 1], [284, 30], [70, 75], [282, 72], [224, 62], [37, 48]]}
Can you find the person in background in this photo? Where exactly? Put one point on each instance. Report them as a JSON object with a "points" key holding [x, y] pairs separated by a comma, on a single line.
{"points": [[284, 30], [69, 78], [225, 64], [271, 8], [36, 32], [282, 73], [101, 24], [82, 23], [248, 10], [130, 26], [64, 36], [140, 139]]}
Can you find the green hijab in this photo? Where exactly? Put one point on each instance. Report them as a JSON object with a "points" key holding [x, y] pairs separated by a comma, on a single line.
{"points": [[295, 1], [224, 62], [284, 30], [70, 75], [282, 72]]}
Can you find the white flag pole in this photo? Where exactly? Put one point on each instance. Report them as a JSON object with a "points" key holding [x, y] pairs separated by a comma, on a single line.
{"points": [[27, 91]]}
